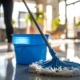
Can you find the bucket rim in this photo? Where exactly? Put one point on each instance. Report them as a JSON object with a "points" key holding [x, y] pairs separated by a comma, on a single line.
{"points": [[30, 34]]}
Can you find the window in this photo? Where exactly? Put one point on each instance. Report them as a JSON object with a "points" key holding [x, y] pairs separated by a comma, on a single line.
{"points": [[20, 7], [49, 16], [71, 1], [62, 11]]}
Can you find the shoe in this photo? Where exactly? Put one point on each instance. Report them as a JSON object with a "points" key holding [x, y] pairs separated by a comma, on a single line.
{"points": [[9, 47], [9, 50]]}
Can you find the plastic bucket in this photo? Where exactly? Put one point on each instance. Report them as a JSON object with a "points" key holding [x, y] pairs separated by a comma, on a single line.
{"points": [[29, 48]]}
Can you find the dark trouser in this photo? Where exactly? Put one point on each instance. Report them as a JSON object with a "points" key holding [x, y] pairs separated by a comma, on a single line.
{"points": [[8, 9]]}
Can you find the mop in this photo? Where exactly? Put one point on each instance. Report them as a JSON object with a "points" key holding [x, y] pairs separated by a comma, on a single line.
{"points": [[53, 67]]}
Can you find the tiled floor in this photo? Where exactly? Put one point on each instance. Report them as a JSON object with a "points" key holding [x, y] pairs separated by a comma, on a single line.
{"points": [[9, 70]]}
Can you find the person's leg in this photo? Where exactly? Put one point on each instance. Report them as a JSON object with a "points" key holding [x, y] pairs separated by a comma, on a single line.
{"points": [[8, 9], [0, 2]]}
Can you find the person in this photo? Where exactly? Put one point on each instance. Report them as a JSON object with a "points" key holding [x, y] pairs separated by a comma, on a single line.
{"points": [[8, 9]]}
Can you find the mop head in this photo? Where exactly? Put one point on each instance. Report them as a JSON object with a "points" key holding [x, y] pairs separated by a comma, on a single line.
{"points": [[52, 68]]}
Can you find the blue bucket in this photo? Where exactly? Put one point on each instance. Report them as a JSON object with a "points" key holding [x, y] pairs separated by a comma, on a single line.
{"points": [[29, 48]]}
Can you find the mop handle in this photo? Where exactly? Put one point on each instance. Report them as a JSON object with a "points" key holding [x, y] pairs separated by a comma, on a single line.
{"points": [[37, 25]]}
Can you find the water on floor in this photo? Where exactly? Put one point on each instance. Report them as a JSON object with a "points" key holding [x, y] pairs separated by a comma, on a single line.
{"points": [[9, 70]]}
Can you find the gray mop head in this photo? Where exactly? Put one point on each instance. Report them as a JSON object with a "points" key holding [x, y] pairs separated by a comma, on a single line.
{"points": [[35, 68]]}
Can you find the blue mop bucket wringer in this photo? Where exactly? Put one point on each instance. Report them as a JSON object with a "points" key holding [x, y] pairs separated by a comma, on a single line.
{"points": [[29, 48]]}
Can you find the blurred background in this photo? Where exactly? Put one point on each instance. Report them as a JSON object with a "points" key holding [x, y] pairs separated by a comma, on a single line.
{"points": [[58, 18]]}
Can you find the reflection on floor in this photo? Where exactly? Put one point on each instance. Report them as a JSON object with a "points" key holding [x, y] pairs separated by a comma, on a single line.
{"points": [[10, 71], [6, 66]]}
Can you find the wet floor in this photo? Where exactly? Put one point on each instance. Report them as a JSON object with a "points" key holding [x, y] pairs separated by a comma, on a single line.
{"points": [[9, 70]]}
